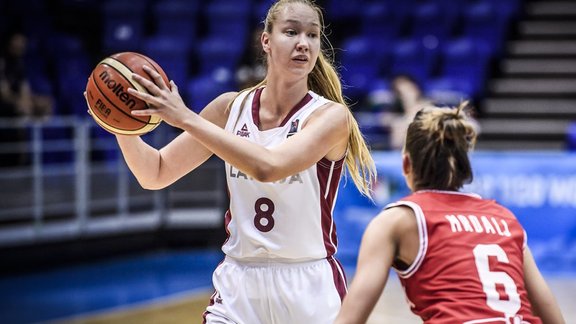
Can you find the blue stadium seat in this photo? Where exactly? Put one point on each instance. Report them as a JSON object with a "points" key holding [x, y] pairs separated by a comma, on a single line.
{"points": [[38, 68], [73, 66], [72, 78], [378, 18], [464, 59], [216, 51], [380, 96], [507, 9], [374, 131], [204, 88], [227, 18], [177, 19], [342, 10], [409, 56], [362, 60], [452, 7], [123, 22], [485, 25], [431, 19], [448, 90], [261, 9], [171, 56], [402, 12]]}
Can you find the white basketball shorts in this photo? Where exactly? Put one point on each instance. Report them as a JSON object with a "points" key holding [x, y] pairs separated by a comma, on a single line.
{"points": [[276, 293]]}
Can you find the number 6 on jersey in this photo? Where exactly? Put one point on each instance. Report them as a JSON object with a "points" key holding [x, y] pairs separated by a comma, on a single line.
{"points": [[490, 279]]}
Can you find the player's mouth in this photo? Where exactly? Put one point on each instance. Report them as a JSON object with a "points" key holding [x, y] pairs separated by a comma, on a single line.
{"points": [[300, 58]]}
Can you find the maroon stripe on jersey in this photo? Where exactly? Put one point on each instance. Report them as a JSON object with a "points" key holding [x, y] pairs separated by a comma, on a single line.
{"points": [[339, 276], [298, 106], [328, 173], [327, 163], [256, 107], [227, 220]]}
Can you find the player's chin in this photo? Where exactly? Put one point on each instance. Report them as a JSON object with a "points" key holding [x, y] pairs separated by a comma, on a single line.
{"points": [[301, 64], [300, 69]]}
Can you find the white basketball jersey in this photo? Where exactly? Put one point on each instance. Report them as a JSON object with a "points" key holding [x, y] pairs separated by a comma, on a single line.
{"points": [[289, 219]]}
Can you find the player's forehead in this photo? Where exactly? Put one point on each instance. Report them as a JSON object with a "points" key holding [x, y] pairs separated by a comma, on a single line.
{"points": [[298, 14]]}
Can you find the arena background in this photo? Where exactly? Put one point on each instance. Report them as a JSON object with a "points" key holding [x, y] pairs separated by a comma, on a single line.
{"points": [[81, 242]]}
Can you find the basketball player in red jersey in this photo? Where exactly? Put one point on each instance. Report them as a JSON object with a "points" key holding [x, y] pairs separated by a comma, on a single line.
{"points": [[285, 142], [460, 258]]}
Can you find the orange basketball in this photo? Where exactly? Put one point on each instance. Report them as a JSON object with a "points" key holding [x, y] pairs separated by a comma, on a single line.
{"points": [[107, 94]]}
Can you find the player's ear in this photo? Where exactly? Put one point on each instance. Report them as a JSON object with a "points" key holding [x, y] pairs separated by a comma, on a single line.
{"points": [[265, 41], [406, 164], [407, 170]]}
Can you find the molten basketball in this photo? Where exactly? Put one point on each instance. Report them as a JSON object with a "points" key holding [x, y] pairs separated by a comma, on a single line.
{"points": [[107, 94]]}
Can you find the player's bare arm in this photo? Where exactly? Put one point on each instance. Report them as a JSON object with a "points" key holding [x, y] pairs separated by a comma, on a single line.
{"points": [[157, 169], [325, 134], [375, 258], [541, 297]]}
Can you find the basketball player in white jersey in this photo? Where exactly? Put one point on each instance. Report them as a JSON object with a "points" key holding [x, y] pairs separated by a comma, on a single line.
{"points": [[460, 258], [285, 143]]}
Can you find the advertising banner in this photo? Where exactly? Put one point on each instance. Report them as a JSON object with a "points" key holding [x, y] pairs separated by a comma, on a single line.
{"points": [[539, 188]]}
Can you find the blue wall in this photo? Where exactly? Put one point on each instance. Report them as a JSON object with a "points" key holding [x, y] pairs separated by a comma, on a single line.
{"points": [[540, 188]]}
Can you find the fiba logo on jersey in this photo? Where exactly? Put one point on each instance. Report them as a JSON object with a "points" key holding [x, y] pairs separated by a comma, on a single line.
{"points": [[293, 128], [243, 132]]}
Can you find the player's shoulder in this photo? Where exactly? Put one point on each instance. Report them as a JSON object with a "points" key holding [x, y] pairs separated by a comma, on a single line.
{"points": [[398, 218], [334, 106], [217, 110], [331, 112], [227, 97], [223, 102]]}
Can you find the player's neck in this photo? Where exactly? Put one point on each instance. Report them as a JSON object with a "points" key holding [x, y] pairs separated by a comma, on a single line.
{"points": [[279, 99]]}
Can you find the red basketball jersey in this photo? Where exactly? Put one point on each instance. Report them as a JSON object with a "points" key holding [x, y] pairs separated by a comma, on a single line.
{"points": [[469, 267]]}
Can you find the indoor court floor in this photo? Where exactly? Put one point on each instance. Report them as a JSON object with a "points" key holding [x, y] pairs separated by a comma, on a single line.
{"points": [[169, 287]]}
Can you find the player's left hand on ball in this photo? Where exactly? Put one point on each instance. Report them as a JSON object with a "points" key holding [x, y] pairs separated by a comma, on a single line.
{"points": [[163, 100]]}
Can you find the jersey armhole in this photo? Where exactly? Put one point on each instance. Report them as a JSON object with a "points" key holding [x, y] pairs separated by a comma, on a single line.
{"points": [[236, 109], [525, 240], [422, 235]]}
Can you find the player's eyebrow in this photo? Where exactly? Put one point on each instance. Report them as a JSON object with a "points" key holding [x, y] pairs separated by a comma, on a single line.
{"points": [[298, 22]]}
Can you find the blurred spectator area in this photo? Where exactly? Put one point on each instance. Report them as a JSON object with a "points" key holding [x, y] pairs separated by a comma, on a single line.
{"points": [[513, 59], [76, 187]]}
